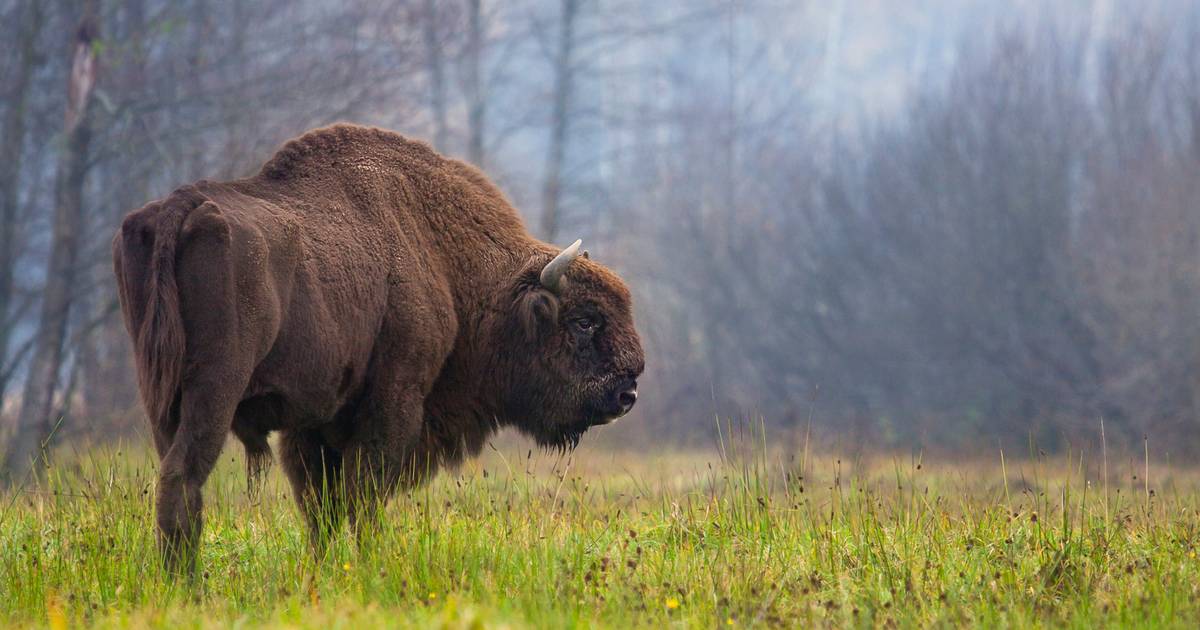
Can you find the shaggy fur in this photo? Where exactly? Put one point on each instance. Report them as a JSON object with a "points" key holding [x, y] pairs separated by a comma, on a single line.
{"points": [[375, 302]]}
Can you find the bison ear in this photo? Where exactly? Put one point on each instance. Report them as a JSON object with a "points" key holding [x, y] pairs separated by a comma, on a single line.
{"points": [[537, 312]]}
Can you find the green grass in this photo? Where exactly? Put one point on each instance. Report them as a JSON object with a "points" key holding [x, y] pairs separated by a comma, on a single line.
{"points": [[614, 539]]}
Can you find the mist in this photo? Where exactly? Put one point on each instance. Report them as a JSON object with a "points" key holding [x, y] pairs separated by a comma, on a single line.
{"points": [[953, 225]]}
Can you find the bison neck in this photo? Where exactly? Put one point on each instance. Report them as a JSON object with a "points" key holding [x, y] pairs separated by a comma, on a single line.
{"points": [[479, 239], [482, 259]]}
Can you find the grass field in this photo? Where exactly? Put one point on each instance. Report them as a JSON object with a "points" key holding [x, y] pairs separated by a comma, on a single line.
{"points": [[760, 537]]}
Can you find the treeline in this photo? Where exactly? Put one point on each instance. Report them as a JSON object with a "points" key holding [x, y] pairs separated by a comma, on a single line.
{"points": [[1013, 254], [1010, 260]]}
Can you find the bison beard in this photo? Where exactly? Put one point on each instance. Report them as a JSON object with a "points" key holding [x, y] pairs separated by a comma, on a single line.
{"points": [[379, 305]]}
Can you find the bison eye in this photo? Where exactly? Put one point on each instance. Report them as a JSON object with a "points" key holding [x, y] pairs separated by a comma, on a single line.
{"points": [[586, 324]]}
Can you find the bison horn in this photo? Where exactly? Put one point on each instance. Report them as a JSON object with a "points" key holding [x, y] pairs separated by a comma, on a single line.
{"points": [[553, 272]]}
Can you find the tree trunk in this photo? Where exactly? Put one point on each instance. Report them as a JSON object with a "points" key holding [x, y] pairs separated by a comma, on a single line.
{"points": [[34, 422], [437, 75], [563, 77], [475, 102], [104, 368], [12, 145]]}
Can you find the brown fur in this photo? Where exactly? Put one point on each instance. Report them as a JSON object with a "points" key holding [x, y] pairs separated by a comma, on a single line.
{"points": [[378, 304]]}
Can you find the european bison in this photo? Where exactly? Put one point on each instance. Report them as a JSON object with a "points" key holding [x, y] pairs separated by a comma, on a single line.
{"points": [[380, 305]]}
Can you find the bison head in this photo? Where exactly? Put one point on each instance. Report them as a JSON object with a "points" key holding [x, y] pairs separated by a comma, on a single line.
{"points": [[573, 354]]}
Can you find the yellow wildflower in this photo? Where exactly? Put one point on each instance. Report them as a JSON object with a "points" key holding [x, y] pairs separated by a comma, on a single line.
{"points": [[55, 615]]}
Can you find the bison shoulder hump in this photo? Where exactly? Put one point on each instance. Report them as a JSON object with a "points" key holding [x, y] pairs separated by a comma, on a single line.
{"points": [[327, 147]]}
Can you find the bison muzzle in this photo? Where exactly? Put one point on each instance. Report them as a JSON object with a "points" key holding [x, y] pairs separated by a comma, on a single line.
{"points": [[381, 306]]}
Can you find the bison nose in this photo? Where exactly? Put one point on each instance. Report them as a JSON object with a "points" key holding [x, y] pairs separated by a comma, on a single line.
{"points": [[627, 397]]}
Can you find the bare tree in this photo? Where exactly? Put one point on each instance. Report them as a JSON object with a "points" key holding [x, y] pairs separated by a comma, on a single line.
{"points": [[437, 74], [34, 423], [564, 77], [476, 102], [29, 17]]}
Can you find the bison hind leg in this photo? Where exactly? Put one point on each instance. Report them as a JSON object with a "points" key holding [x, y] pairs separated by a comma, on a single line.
{"points": [[185, 466]]}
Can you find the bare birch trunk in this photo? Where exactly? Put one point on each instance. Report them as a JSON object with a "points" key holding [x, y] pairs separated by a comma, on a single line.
{"points": [[34, 422], [12, 145]]}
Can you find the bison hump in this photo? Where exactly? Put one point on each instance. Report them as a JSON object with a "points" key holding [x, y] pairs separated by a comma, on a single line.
{"points": [[327, 149]]}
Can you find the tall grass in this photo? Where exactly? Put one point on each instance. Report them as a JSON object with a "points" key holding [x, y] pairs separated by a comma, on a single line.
{"points": [[746, 535]]}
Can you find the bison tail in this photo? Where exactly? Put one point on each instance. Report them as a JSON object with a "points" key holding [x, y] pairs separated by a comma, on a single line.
{"points": [[145, 266], [161, 338]]}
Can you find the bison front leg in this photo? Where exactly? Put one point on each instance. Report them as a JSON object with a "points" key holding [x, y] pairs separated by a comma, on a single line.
{"points": [[382, 459], [315, 472], [205, 418]]}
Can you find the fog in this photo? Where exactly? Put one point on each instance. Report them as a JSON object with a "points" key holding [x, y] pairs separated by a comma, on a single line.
{"points": [[961, 225]]}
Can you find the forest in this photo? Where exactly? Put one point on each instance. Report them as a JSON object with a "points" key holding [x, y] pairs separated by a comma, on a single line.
{"points": [[976, 229]]}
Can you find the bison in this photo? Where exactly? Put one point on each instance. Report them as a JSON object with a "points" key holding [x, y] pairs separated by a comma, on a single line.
{"points": [[381, 306]]}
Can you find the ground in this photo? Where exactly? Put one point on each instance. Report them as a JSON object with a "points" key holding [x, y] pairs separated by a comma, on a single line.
{"points": [[724, 537]]}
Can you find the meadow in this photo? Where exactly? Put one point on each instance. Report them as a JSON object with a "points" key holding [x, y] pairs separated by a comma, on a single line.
{"points": [[748, 533]]}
